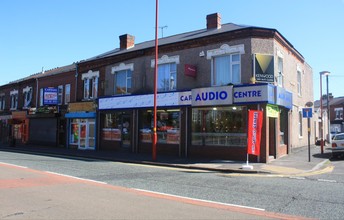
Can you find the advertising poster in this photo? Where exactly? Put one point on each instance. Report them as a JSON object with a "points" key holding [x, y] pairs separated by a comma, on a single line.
{"points": [[50, 96], [255, 121], [264, 68]]}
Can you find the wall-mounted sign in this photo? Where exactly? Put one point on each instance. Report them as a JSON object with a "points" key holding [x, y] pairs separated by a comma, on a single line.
{"points": [[284, 98], [272, 111], [264, 68], [254, 94], [145, 101], [50, 96], [210, 96], [190, 70]]}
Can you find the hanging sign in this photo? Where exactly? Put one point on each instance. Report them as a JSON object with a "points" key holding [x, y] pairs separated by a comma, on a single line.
{"points": [[255, 121]]}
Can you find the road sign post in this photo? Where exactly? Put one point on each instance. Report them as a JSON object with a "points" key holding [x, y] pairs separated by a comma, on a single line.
{"points": [[307, 113]]}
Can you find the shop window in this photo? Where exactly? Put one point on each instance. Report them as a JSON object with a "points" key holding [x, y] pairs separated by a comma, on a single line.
{"points": [[111, 130], [2, 102], [123, 82], [167, 77], [220, 126], [280, 76], [226, 70], [67, 93], [60, 95], [167, 126]]}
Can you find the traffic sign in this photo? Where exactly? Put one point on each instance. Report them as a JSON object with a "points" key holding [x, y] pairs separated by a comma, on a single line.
{"points": [[307, 112]]}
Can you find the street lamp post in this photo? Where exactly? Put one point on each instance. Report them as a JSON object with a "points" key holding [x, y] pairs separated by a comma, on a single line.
{"points": [[328, 111], [326, 73]]}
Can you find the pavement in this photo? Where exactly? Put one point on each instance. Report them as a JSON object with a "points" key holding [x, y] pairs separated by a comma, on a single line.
{"points": [[296, 163]]}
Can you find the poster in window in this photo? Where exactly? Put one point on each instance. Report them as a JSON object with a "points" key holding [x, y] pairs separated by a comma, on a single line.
{"points": [[264, 68]]}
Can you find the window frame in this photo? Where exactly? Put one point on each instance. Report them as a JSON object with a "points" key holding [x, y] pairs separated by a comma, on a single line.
{"points": [[60, 95], [231, 65], [67, 93], [127, 79], [299, 82], [171, 86], [280, 77]]}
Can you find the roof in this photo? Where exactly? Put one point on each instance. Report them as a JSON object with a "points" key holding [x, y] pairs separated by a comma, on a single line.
{"points": [[333, 101], [229, 27]]}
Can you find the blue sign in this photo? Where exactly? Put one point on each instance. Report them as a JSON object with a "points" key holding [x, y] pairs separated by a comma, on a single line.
{"points": [[50, 96], [284, 98], [307, 112]]}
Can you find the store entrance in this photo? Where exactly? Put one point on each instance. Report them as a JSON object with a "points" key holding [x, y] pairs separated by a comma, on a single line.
{"points": [[126, 131], [272, 138], [83, 134]]}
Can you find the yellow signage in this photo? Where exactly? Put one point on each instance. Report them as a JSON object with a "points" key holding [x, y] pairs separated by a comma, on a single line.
{"points": [[272, 111]]}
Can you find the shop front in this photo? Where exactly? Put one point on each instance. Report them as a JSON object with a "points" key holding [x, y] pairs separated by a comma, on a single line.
{"points": [[81, 126], [20, 128], [5, 128], [127, 122]]}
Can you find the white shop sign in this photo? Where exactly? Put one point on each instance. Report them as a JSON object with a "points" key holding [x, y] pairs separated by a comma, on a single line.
{"points": [[212, 96], [254, 94]]}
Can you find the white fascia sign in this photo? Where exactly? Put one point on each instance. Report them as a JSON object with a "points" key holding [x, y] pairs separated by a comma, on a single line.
{"points": [[254, 94]]}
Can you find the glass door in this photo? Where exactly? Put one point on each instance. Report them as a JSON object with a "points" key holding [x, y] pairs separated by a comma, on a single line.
{"points": [[126, 131], [83, 134]]}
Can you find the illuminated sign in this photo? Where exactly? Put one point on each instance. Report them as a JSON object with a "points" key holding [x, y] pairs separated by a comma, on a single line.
{"points": [[212, 96]]}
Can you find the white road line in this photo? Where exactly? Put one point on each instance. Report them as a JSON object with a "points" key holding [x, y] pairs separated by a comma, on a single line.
{"points": [[329, 181], [296, 177], [9, 164], [201, 200], [74, 177]]}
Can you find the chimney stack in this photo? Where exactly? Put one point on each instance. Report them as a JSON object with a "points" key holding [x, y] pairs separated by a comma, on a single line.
{"points": [[214, 21], [126, 41]]}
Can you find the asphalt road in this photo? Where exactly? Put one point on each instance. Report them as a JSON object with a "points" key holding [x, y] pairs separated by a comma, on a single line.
{"points": [[317, 196]]}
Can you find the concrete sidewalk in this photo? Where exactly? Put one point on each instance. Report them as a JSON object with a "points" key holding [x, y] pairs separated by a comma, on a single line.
{"points": [[295, 163]]}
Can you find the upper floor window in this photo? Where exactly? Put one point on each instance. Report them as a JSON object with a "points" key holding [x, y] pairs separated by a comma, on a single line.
{"points": [[14, 99], [280, 76], [167, 77], [60, 95], [41, 94], [226, 64], [2, 101], [299, 84], [27, 96], [123, 82], [338, 113], [67, 93], [90, 84], [167, 73], [300, 123]]}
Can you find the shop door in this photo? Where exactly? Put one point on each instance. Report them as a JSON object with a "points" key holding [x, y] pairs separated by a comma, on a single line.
{"points": [[87, 134], [126, 132], [272, 138]]}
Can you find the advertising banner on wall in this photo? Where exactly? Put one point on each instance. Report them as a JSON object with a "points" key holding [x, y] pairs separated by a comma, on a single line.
{"points": [[255, 121], [264, 68], [50, 96]]}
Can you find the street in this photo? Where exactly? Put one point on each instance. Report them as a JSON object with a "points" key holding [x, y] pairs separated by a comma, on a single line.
{"points": [[314, 196]]}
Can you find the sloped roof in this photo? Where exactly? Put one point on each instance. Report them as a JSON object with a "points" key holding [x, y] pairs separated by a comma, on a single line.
{"points": [[180, 38]]}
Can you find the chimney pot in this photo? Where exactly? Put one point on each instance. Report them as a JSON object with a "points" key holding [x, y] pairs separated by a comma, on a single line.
{"points": [[214, 21], [126, 41]]}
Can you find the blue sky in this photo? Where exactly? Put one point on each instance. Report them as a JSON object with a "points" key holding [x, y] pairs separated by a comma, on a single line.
{"points": [[36, 34]]}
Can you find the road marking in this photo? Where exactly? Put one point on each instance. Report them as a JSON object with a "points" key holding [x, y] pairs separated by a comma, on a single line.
{"points": [[297, 177], [13, 165], [200, 200], [329, 181], [74, 177], [170, 168]]}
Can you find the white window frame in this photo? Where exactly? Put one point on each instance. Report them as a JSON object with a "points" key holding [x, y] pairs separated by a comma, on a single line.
{"points": [[338, 113], [41, 96], [226, 50], [67, 94], [231, 65], [27, 96], [120, 68], [2, 101], [14, 99], [172, 81], [90, 84]]}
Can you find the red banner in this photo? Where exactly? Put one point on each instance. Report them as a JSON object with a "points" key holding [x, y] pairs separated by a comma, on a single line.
{"points": [[255, 121]]}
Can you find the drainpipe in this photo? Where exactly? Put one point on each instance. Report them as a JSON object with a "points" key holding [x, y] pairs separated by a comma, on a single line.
{"points": [[76, 81]]}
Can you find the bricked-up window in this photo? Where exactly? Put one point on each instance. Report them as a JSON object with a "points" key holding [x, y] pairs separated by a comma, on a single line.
{"points": [[226, 70], [90, 84], [167, 77], [2, 102], [123, 82], [300, 123], [14, 99], [67, 93], [60, 95], [299, 84]]}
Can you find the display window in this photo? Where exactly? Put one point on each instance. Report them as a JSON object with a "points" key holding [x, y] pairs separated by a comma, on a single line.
{"points": [[112, 126], [220, 126], [168, 126]]}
